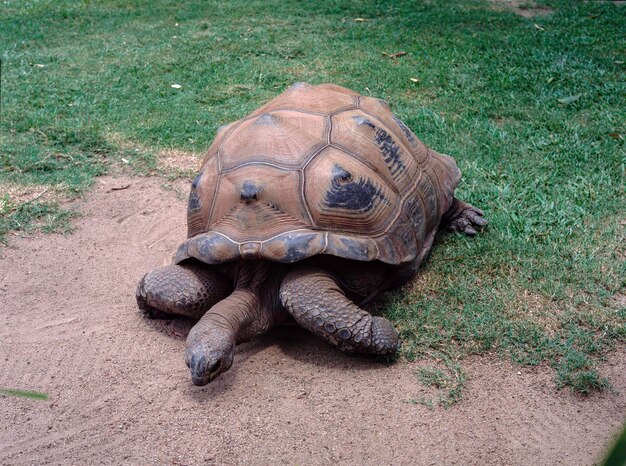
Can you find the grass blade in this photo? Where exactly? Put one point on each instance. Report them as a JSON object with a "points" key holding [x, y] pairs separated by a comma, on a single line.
{"points": [[23, 394]]}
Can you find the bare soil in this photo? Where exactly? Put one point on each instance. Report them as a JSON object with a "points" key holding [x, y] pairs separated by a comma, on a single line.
{"points": [[525, 8], [119, 391]]}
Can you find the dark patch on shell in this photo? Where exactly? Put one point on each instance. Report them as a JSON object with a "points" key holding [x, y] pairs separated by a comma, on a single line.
{"points": [[300, 85], [298, 248], [250, 191], [384, 103], [360, 195], [194, 200], [266, 119], [405, 129], [353, 249], [196, 180], [415, 213], [390, 151], [359, 120], [210, 248]]}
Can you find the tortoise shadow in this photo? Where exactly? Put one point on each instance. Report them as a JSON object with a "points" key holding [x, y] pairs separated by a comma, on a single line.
{"points": [[296, 344], [300, 345], [291, 341]]}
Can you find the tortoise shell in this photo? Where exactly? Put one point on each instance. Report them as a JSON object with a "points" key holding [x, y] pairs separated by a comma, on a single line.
{"points": [[318, 170]]}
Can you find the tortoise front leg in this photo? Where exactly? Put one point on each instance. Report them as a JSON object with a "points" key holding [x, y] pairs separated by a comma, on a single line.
{"points": [[464, 218], [186, 290], [313, 297]]}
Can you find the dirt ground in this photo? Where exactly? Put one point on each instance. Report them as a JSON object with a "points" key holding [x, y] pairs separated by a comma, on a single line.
{"points": [[525, 8], [120, 392]]}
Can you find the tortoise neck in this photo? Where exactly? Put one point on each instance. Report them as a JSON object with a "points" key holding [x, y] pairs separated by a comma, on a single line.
{"points": [[250, 274]]}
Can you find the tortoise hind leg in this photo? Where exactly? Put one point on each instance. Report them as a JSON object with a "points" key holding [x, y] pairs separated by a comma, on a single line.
{"points": [[315, 300], [464, 218], [187, 290]]}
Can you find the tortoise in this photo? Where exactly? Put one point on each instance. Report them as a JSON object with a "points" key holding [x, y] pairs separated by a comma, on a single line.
{"points": [[308, 207]]}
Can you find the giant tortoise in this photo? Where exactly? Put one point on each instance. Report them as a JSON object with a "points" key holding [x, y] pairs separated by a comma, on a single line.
{"points": [[308, 207]]}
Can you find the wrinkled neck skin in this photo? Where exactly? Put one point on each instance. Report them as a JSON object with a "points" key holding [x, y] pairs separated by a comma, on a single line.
{"points": [[262, 279]]}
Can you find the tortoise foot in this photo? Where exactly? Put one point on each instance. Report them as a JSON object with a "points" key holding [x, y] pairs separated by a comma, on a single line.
{"points": [[385, 338], [145, 308], [464, 218]]}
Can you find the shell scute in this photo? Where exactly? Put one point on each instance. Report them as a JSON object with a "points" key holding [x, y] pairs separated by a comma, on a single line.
{"points": [[202, 197], [344, 194], [324, 99], [258, 184], [282, 138], [372, 142]]}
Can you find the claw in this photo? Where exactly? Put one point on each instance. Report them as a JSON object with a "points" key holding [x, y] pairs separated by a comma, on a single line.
{"points": [[478, 211], [459, 225], [469, 230], [477, 218]]}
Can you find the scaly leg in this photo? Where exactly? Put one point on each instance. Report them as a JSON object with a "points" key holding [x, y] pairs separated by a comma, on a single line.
{"points": [[313, 297], [186, 290]]}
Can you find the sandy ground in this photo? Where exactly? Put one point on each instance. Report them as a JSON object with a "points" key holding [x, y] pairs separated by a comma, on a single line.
{"points": [[120, 392]]}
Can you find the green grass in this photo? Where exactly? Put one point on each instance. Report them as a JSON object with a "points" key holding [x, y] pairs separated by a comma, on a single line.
{"points": [[532, 109], [23, 394], [446, 379], [29, 216]]}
